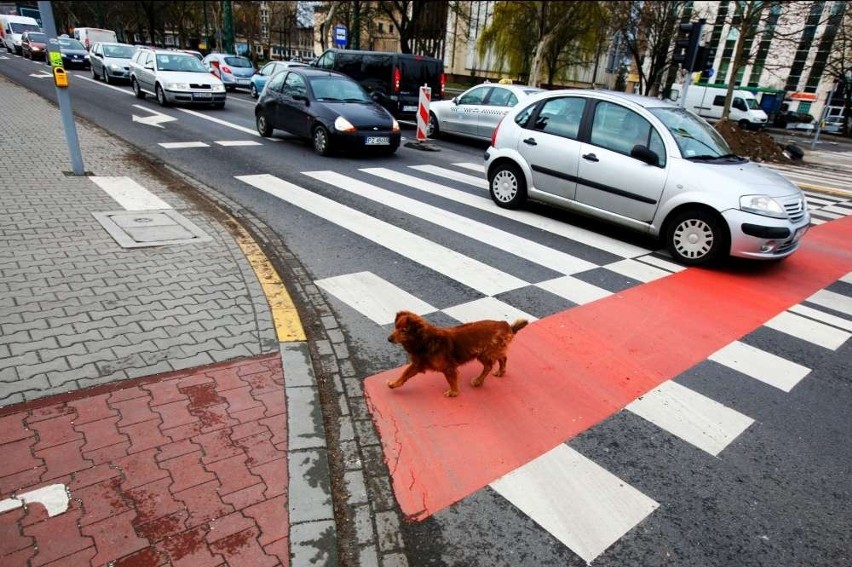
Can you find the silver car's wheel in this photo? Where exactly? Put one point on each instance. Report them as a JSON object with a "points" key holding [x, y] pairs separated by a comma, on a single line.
{"points": [[507, 186], [136, 89], [161, 96], [432, 128], [106, 76], [321, 141], [696, 237], [94, 74], [253, 91]]}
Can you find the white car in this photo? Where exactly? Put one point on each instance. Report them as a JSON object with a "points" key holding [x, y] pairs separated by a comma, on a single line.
{"points": [[174, 77], [648, 165], [476, 112]]}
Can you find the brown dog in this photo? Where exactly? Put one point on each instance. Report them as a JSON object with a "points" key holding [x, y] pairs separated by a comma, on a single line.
{"points": [[445, 349]]}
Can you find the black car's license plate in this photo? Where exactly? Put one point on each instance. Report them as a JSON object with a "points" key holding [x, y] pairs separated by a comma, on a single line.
{"points": [[377, 141]]}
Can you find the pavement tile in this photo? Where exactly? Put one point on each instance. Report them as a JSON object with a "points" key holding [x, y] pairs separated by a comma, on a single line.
{"points": [[13, 428], [82, 558], [101, 500], [275, 402], [21, 557], [277, 424], [242, 548], [139, 469], [11, 537], [182, 432], [186, 471], [148, 557], [134, 410], [18, 457], [175, 449], [92, 475], [217, 445], [101, 433], [126, 393], [249, 428], [188, 549], [92, 408], [144, 435], [214, 417], [203, 503], [59, 537], [175, 414], [63, 459], [55, 430], [281, 549], [199, 379], [227, 378], [233, 474], [48, 412], [163, 527], [114, 537], [228, 525], [275, 476], [259, 449], [240, 399], [245, 497], [108, 453], [164, 392], [249, 415], [19, 480], [153, 500], [271, 517]]}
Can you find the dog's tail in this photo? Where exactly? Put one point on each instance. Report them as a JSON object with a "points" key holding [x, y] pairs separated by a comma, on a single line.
{"points": [[519, 324]]}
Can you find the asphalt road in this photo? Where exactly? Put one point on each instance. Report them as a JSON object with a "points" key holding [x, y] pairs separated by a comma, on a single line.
{"points": [[777, 495]]}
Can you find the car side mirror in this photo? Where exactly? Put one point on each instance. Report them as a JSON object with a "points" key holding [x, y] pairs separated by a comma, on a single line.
{"points": [[642, 153], [455, 100]]}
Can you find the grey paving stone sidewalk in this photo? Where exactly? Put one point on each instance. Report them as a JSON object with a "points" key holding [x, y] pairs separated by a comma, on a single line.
{"points": [[77, 309]]}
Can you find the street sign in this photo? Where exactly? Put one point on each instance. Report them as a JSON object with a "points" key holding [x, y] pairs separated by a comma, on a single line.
{"points": [[341, 36]]}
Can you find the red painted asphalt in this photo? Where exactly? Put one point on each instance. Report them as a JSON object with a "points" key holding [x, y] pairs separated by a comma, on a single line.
{"points": [[574, 369], [188, 468]]}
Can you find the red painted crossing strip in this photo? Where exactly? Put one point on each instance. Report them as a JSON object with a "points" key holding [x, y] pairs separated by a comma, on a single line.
{"points": [[574, 369]]}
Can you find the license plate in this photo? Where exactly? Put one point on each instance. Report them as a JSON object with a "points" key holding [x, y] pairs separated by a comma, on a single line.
{"points": [[242, 81], [202, 96], [409, 109], [377, 141]]}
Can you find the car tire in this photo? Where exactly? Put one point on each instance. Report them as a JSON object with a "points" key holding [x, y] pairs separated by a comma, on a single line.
{"points": [[253, 91], [696, 237], [321, 140], [264, 128], [433, 130], [106, 77], [744, 124], [136, 89], [507, 186], [161, 95], [94, 74]]}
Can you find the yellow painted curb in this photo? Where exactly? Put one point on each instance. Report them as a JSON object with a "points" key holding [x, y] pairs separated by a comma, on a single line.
{"points": [[288, 326]]}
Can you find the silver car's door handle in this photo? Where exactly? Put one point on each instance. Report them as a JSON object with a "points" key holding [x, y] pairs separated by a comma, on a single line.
{"points": [[530, 142], [590, 157]]}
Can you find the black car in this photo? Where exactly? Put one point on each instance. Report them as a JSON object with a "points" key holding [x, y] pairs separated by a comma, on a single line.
{"points": [[330, 109], [74, 53]]}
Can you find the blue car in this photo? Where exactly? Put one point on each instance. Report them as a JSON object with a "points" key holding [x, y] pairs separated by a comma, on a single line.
{"points": [[258, 80], [233, 70]]}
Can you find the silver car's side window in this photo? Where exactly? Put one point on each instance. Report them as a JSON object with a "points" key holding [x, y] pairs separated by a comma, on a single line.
{"points": [[561, 117], [500, 97], [618, 129], [474, 96]]}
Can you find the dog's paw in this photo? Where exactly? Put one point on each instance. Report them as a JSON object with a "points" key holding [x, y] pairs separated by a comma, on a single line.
{"points": [[393, 384], [451, 393], [500, 373], [476, 382]]}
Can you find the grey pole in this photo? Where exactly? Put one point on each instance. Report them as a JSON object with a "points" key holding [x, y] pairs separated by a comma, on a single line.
{"points": [[63, 97]]}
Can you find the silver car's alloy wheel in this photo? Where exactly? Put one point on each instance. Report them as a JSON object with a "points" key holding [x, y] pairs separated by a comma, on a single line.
{"points": [[161, 96], [432, 128], [504, 186], [253, 91], [693, 239]]}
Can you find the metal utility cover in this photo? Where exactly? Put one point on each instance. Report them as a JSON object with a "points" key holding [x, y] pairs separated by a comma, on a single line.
{"points": [[134, 229]]}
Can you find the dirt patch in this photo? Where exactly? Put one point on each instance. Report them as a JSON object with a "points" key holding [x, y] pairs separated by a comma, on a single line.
{"points": [[757, 146]]}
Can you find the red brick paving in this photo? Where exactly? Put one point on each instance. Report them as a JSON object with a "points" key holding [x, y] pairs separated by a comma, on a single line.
{"points": [[185, 469]]}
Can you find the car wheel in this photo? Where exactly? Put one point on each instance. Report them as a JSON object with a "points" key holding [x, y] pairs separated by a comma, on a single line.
{"points": [[744, 124], [696, 237], [507, 186], [433, 130], [136, 90], [253, 91], [161, 96], [106, 76], [264, 128], [94, 74], [321, 140]]}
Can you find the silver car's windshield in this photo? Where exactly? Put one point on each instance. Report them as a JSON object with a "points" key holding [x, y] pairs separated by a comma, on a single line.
{"points": [[182, 62], [694, 136], [119, 51]]}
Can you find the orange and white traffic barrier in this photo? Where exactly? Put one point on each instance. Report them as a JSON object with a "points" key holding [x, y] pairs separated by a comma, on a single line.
{"points": [[423, 112]]}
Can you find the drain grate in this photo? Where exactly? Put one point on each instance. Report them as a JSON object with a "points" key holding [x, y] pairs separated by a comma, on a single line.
{"points": [[135, 229]]}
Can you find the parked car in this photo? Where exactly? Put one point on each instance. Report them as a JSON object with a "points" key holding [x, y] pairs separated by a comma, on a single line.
{"points": [[12, 27], [392, 79], [648, 165], [74, 55], [173, 78], [330, 109], [90, 36], [833, 125], [111, 61], [258, 80], [477, 111], [234, 71], [33, 44]]}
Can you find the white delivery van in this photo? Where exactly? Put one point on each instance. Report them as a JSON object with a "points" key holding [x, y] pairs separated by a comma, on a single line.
{"points": [[11, 29], [91, 36], [708, 103]]}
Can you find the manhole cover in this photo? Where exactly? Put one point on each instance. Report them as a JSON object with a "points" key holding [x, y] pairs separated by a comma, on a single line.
{"points": [[133, 229]]}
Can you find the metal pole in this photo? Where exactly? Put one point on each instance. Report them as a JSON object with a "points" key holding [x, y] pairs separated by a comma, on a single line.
{"points": [[229, 27], [63, 97]]}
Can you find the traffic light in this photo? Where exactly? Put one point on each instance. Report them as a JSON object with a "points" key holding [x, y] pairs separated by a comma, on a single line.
{"points": [[704, 61], [686, 44]]}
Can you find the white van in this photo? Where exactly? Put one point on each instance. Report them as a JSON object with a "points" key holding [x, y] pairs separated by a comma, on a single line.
{"points": [[91, 36], [708, 102], [11, 29]]}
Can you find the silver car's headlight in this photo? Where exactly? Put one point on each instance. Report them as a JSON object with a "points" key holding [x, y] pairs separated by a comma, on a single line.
{"points": [[762, 205], [220, 88], [343, 125], [177, 86], [115, 66]]}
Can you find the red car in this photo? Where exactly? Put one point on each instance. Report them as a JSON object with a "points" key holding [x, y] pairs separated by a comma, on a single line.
{"points": [[33, 45]]}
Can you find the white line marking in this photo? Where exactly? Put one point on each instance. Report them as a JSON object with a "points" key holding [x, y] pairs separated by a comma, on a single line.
{"points": [[183, 145], [54, 498], [761, 365], [130, 194], [580, 503], [502, 240], [476, 181], [237, 143], [636, 270], [221, 122], [847, 278], [586, 237], [375, 298], [808, 330], [832, 300], [822, 316], [477, 167], [486, 308], [693, 417], [472, 273], [574, 290], [156, 118], [660, 263]]}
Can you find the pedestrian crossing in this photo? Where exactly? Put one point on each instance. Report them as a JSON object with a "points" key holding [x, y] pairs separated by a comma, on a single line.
{"points": [[583, 267]]}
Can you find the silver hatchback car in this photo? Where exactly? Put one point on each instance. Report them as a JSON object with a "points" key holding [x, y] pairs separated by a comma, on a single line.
{"points": [[648, 165]]}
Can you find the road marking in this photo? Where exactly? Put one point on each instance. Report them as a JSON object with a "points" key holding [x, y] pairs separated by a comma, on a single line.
{"points": [[574, 290], [53, 497], [502, 240], [477, 167], [577, 501], [182, 145], [238, 143], [129, 194], [219, 121], [823, 317], [453, 175], [559, 228], [808, 330], [373, 297], [156, 119], [472, 273], [691, 416], [832, 300], [761, 365], [637, 270], [486, 308]]}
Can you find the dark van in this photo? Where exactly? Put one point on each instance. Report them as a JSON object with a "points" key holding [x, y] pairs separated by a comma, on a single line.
{"points": [[392, 79]]}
